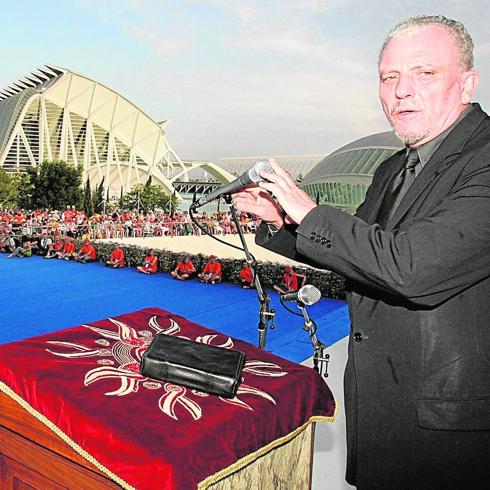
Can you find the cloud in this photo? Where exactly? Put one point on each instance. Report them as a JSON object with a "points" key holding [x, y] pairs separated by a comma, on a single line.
{"points": [[482, 50], [299, 44], [157, 42], [264, 76], [312, 6], [141, 20], [244, 10], [217, 113], [247, 10], [290, 29]]}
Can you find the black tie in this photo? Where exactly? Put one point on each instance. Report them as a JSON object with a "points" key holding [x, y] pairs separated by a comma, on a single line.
{"points": [[397, 188]]}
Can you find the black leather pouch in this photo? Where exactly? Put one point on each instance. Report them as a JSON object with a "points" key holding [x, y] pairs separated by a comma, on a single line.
{"points": [[202, 367]]}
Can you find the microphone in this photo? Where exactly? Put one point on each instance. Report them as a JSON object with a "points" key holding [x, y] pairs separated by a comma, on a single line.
{"points": [[307, 295], [249, 177]]}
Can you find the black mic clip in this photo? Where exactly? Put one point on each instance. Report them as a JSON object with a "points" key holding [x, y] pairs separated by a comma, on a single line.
{"points": [[320, 358], [308, 295]]}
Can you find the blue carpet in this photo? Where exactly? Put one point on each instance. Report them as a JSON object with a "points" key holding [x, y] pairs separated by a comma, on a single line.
{"points": [[40, 296]]}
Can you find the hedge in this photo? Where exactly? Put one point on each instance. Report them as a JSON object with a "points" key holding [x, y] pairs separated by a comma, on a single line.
{"points": [[330, 284]]}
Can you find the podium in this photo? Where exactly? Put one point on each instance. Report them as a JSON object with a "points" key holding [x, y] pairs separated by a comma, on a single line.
{"points": [[68, 421]]}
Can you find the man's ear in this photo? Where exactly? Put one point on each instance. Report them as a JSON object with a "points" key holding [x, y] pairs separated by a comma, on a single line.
{"points": [[470, 83]]}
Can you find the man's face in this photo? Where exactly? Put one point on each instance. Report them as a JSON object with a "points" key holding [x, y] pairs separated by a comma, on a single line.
{"points": [[423, 88]]}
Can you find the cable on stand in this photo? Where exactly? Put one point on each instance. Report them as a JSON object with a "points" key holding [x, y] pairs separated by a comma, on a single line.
{"points": [[320, 359], [308, 295], [266, 314]]}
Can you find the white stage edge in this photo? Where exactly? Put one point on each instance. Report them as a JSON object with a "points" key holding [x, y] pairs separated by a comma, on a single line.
{"points": [[330, 446]]}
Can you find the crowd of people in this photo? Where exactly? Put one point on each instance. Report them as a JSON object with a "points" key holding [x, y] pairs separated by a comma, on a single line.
{"points": [[52, 235], [120, 224], [212, 271]]}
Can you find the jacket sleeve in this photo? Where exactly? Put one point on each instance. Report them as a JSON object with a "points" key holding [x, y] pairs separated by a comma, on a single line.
{"points": [[427, 261], [282, 242]]}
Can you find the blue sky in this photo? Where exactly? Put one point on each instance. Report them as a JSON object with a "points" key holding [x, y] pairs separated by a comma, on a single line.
{"points": [[235, 77]]}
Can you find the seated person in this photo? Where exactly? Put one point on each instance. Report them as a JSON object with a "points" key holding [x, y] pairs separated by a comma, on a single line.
{"points": [[44, 243], [35, 240], [86, 253], [185, 269], [290, 281], [150, 263], [117, 258], [246, 276], [54, 248], [24, 251], [211, 274], [8, 243], [68, 250], [4, 243]]}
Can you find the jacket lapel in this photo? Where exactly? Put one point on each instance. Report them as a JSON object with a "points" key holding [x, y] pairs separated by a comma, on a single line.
{"points": [[444, 156]]}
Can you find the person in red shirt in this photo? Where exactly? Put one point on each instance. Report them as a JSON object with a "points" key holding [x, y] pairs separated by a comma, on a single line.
{"points": [[54, 249], [17, 221], [211, 274], [150, 263], [68, 250], [117, 258], [86, 253], [184, 270], [290, 281], [246, 276]]}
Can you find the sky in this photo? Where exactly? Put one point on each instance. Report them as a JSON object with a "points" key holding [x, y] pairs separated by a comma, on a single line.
{"points": [[234, 77]]}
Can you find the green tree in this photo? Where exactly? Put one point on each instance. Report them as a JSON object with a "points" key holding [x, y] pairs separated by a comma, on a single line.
{"points": [[55, 185], [146, 197], [25, 191], [98, 197], [88, 206], [9, 189]]}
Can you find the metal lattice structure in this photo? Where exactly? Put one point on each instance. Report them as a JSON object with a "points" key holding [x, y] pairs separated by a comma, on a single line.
{"points": [[57, 114], [297, 165]]}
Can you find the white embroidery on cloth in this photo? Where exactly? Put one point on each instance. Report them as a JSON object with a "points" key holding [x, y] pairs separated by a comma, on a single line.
{"points": [[126, 345]]}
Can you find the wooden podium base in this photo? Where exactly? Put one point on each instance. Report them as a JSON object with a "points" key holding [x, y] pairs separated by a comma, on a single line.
{"points": [[34, 458]]}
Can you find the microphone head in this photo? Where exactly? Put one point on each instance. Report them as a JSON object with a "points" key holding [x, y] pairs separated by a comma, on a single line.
{"points": [[309, 294], [260, 166]]}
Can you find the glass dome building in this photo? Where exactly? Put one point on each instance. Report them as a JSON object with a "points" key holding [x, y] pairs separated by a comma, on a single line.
{"points": [[343, 177]]}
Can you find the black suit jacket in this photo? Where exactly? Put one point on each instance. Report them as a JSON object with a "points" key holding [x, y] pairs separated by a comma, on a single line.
{"points": [[417, 382]]}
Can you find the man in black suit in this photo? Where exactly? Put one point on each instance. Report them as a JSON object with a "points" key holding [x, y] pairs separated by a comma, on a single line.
{"points": [[417, 259]]}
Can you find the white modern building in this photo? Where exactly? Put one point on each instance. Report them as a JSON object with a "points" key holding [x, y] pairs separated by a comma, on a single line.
{"points": [[57, 114]]}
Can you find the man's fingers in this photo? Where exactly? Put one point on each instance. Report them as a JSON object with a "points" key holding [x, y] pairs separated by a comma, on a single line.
{"points": [[279, 172], [278, 169], [268, 186]]}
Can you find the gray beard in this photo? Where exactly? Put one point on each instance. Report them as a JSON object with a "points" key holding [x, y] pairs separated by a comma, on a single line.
{"points": [[411, 139]]}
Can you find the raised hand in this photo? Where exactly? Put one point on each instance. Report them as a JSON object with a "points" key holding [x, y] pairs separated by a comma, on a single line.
{"points": [[277, 200], [258, 201]]}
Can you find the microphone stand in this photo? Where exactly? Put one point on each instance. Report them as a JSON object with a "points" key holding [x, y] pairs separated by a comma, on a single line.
{"points": [[320, 359], [266, 314]]}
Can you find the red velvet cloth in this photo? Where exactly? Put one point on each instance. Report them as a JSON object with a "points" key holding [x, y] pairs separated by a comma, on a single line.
{"points": [[153, 434]]}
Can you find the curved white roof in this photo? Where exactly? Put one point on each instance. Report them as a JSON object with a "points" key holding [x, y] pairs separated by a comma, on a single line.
{"points": [[86, 123]]}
